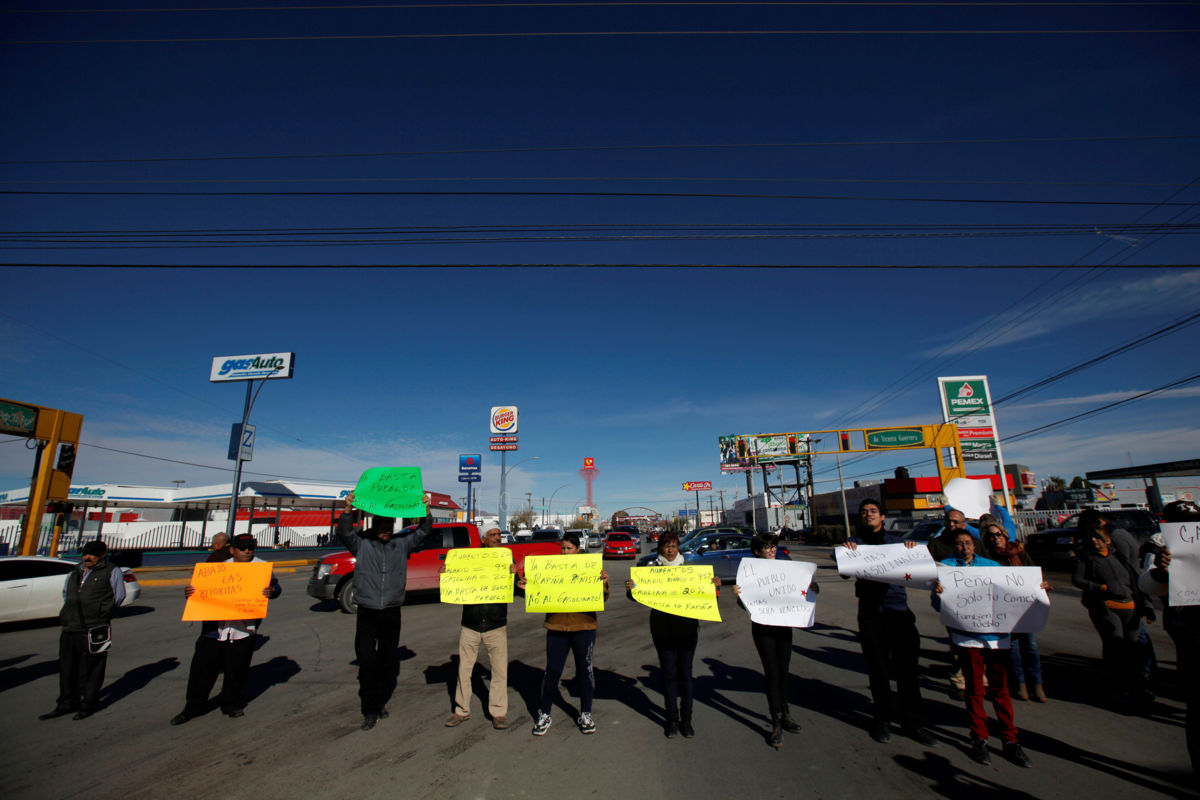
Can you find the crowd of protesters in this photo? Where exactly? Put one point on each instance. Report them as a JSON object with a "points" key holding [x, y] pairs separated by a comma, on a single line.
{"points": [[1119, 581]]}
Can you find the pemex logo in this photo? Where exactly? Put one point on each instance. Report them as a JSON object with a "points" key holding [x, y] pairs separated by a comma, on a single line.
{"points": [[966, 391]]}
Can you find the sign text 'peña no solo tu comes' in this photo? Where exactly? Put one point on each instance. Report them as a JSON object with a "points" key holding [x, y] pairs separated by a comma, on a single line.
{"points": [[1183, 576], [993, 599]]}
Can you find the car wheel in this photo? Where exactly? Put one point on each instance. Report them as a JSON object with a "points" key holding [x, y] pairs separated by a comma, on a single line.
{"points": [[345, 596]]}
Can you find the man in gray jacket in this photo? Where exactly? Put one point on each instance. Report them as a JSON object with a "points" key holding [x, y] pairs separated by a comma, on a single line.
{"points": [[380, 572]]}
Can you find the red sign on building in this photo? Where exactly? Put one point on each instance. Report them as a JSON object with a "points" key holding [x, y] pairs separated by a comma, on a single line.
{"points": [[502, 447], [697, 486], [501, 440]]}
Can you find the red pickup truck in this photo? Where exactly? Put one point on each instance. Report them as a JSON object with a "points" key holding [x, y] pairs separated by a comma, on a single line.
{"points": [[333, 576]]}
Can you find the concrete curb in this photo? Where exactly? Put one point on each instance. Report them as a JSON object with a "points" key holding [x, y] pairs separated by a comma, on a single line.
{"points": [[303, 562]]}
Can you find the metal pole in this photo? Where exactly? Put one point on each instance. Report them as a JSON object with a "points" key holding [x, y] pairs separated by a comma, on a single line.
{"points": [[698, 523], [842, 486], [503, 488], [204, 525], [237, 469], [750, 497]]}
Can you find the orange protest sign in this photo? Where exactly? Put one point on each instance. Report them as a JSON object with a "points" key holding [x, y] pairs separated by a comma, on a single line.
{"points": [[228, 590]]}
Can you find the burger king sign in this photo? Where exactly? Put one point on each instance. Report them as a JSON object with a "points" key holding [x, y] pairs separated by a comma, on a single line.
{"points": [[504, 420]]}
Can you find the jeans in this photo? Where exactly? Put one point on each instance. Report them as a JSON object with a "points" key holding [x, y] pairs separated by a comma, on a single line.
{"points": [[774, 645], [995, 663], [558, 644], [1026, 660], [890, 642], [376, 637]]}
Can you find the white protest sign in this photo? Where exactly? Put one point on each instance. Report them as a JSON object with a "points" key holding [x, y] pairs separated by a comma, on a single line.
{"points": [[969, 495], [993, 599], [896, 564], [777, 592], [1183, 576]]}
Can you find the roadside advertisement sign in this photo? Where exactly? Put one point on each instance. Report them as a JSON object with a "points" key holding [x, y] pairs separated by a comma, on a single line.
{"points": [[697, 486], [740, 453], [589, 463], [967, 402], [17, 419], [470, 462], [495, 448], [501, 439], [504, 420], [263, 366]]}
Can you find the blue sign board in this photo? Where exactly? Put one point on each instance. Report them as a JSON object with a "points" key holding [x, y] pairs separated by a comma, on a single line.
{"points": [[471, 462], [686, 512], [467, 477]]}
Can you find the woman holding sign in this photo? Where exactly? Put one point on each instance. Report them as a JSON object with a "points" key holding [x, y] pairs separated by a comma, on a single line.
{"points": [[575, 633], [774, 645], [1026, 660], [675, 640]]}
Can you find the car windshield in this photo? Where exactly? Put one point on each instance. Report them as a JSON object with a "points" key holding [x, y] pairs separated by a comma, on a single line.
{"points": [[619, 537]]}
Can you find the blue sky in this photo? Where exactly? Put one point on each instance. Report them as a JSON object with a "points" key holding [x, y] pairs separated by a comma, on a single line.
{"points": [[641, 368]]}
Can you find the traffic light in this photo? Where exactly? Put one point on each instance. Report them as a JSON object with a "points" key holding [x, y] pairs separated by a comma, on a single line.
{"points": [[845, 441], [66, 459]]}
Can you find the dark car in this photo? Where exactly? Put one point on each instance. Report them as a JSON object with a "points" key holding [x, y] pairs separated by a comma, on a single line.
{"points": [[924, 530], [1055, 547], [721, 548]]}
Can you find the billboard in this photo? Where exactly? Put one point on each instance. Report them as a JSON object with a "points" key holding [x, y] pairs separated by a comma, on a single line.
{"points": [[967, 402], [264, 366], [742, 452]]}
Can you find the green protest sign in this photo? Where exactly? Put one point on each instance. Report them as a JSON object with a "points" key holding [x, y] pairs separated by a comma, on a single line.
{"points": [[391, 492]]}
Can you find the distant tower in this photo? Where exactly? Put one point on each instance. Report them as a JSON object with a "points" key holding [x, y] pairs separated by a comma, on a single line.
{"points": [[589, 473]]}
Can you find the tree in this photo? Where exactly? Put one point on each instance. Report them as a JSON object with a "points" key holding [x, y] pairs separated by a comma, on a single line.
{"points": [[1079, 483], [522, 519], [1055, 484], [580, 522]]}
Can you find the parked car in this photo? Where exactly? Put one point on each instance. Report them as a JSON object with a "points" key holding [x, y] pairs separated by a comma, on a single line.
{"points": [[721, 548], [587, 539], [924, 530], [1055, 547], [620, 545], [31, 586], [333, 575]]}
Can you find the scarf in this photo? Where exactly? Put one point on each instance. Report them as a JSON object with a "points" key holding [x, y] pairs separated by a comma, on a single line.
{"points": [[1009, 555], [675, 562]]}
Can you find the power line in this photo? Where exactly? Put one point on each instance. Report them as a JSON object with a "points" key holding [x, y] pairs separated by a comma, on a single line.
{"points": [[532, 193], [327, 37], [206, 466], [618, 147], [564, 265]]}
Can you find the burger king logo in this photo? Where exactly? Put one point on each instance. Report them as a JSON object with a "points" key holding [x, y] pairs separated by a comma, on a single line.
{"points": [[504, 419]]}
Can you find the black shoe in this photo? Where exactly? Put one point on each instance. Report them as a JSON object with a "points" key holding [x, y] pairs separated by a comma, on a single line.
{"points": [[775, 739], [180, 718], [790, 725], [979, 752], [881, 732], [685, 727], [234, 713], [671, 729], [58, 712], [1013, 752], [83, 714], [921, 736], [369, 721], [383, 713]]}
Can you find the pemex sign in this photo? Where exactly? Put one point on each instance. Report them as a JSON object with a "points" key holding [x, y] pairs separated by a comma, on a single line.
{"points": [[967, 401]]}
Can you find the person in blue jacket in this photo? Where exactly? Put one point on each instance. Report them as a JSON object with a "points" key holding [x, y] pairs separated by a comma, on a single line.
{"points": [[980, 654]]}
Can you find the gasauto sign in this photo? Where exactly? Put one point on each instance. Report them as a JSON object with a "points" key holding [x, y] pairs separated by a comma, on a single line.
{"points": [[264, 366]]}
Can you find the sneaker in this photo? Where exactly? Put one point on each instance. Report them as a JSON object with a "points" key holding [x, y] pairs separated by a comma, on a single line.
{"points": [[500, 723], [585, 723], [979, 751], [234, 713], [369, 721], [456, 720], [921, 736], [881, 732], [542, 725], [1013, 752]]}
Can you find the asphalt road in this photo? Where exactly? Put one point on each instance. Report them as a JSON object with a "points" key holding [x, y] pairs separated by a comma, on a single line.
{"points": [[300, 736]]}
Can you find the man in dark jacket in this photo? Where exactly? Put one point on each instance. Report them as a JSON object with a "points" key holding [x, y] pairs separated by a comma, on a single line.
{"points": [[91, 593], [380, 572], [486, 624], [887, 631]]}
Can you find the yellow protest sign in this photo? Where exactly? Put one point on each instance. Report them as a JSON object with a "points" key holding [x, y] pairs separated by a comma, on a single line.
{"points": [[478, 575], [564, 583], [685, 591], [228, 590]]}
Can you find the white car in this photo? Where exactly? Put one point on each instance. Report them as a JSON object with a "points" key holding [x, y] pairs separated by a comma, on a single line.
{"points": [[31, 586]]}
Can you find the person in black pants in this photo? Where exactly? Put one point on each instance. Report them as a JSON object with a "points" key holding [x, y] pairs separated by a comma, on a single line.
{"points": [[675, 640], [774, 645], [380, 573], [887, 631], [93, 590], [224, 646]]}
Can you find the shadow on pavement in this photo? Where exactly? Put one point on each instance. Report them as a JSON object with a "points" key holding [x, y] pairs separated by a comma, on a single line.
{"points": [[614, 686], [1134, 774], [325, 606], [950, 781], [135, 679], [712, 691], [279, 669], [446, 674], [14, 676]]}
